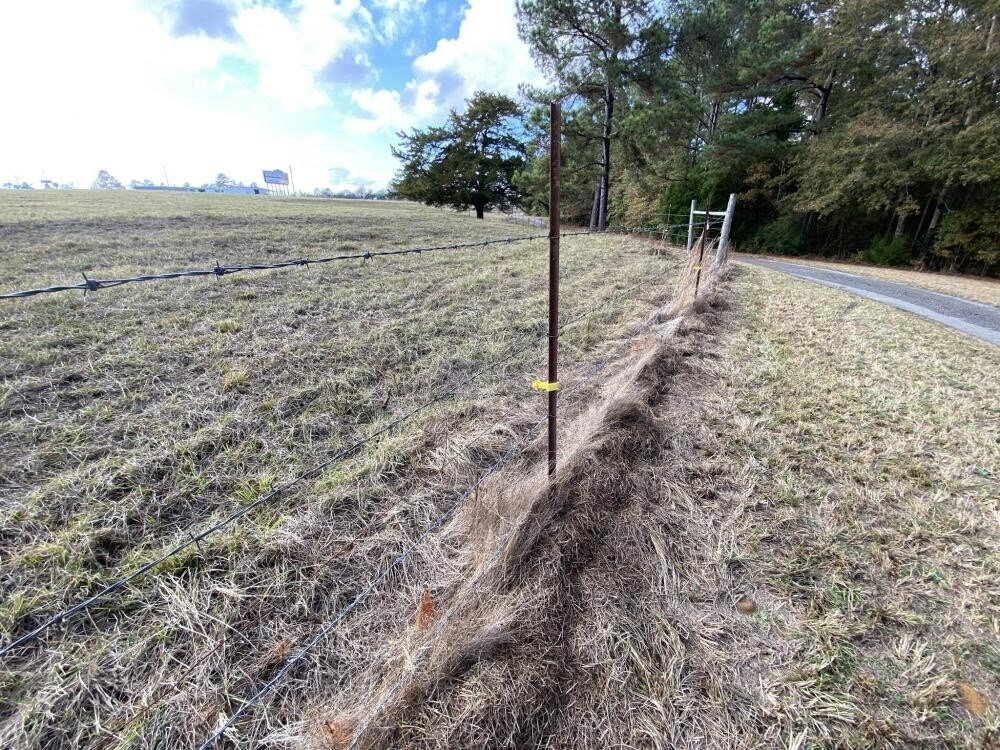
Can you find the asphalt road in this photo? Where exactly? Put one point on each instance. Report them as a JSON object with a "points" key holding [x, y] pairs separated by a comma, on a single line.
{"points": [[974, 318]]}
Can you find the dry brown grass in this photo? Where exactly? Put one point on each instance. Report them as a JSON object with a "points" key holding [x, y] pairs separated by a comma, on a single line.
{"points": [[976, 288], [130, 416], [560, 601], [786, 538], [866, 516], [774, 524]]}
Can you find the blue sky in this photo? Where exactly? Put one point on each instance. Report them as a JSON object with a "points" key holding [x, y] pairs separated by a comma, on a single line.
{"points": [[190, 88]]}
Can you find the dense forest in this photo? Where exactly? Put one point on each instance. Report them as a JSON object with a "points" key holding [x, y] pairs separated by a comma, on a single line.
{"points": [[853, 129], [856, 128]]}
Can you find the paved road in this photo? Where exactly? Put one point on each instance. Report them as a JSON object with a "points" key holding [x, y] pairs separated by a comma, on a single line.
{"points": [[974, 318]]}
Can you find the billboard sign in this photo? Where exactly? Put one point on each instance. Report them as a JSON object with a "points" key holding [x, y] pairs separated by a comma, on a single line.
{"points": [[275, 177]]}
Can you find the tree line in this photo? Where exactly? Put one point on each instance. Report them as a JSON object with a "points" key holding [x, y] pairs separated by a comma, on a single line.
{"points": [[847, 128], [106, 181]]}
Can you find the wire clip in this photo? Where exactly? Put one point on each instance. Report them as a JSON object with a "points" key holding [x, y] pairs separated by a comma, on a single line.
{"points": [[545, 385]]}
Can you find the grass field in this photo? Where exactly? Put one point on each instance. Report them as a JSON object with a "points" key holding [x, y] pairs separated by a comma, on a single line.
{"points": [[776, 524], [134, 415], [859, 452]]}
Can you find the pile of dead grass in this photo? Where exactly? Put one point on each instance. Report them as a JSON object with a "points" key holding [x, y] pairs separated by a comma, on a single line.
{"points": [[507, 615]]}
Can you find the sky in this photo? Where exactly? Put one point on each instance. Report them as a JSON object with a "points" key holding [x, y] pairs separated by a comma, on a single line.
{"points": [[180, 90]]}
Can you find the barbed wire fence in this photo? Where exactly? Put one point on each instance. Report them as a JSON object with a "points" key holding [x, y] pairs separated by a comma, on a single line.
{"points": [[511, 453], [713, 222]]}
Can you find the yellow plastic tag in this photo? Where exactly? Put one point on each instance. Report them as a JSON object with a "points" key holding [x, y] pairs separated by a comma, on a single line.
{"points": [[544, 385]]}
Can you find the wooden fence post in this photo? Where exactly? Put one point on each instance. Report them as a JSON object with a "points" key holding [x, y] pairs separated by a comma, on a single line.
{"points": [[723, 252]]}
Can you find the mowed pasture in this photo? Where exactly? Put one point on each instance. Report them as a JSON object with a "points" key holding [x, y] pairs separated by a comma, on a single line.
{"points": [[133, 417], [855, 453]]}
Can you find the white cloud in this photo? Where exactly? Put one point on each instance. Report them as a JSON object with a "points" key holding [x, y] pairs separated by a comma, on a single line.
{"points": [[487, 52], [398, 15], [289, 50], [107, 86], [382, 109], [112, 85], [385, 112], [487, 55]]}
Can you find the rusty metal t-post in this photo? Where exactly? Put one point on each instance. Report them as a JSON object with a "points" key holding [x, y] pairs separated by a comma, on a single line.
{"points": [[555, 135]]}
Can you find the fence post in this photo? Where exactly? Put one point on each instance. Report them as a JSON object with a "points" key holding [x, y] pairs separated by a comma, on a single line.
{"points": [[701, 248], [691, 225], [723, 251], [555, 135]]}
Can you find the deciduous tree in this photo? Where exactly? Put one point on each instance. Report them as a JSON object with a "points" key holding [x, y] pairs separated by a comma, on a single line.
{"points": [[104, 181]]}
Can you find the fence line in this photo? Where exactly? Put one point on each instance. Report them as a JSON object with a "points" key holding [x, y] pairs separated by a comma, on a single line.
{"points": [[327, 627], [595, 369], [92, 285], [449, 460], [509, 455]]}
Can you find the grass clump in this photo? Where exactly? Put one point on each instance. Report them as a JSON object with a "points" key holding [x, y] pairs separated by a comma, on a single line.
{"points": [[236, 380], [228, 326]]}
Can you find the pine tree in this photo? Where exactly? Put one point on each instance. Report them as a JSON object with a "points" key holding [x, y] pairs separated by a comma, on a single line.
{"points": [[472, 160]]}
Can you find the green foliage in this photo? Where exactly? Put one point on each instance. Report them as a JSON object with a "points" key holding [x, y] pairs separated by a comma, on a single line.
{"points": [[593, 51], [472, 160], [834, 123], [786, 235], [970, 236], [889, 251], [674, 201]]}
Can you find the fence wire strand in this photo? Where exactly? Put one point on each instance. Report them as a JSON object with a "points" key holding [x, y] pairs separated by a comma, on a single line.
{"points": [[93, 285], [196, 539]]}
